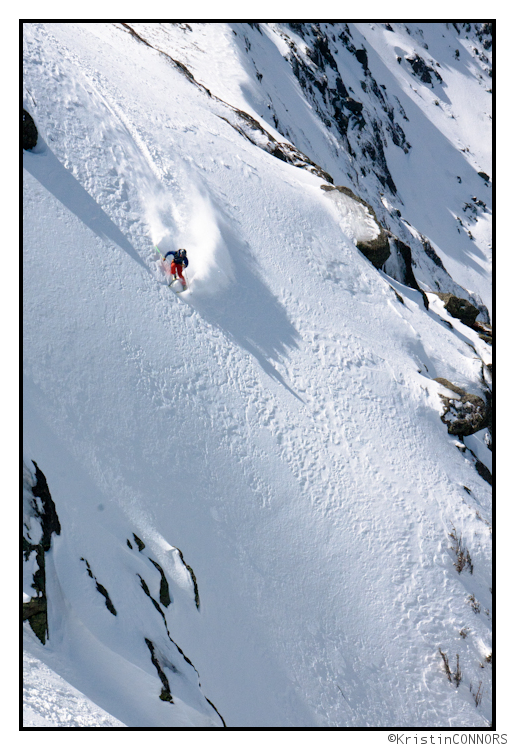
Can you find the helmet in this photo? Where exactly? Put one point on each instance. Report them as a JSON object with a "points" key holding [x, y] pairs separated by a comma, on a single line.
{"points": [[182, 253]]}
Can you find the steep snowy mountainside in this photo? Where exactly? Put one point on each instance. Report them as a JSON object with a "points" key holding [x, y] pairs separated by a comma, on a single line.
{"points": [[241, 504], [399, 112]]}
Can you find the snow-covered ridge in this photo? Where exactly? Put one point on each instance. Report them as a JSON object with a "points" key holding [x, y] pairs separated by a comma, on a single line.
{"points": [[266, 512]]}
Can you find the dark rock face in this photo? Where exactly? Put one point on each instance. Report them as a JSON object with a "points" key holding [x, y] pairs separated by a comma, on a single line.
{"points": [[362, 57], [320, 77], [164, 590], [353, 105], [377, 250], [165, 692], [431, 253], [409, 277], [422, 70], [35, 611], [49, 518], [101, 589], [484, 472], [460, 308], [465, 414], [29, 131]]}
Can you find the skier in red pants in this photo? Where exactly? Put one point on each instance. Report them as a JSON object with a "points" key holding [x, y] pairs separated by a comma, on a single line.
{"points": [[178, 262]]}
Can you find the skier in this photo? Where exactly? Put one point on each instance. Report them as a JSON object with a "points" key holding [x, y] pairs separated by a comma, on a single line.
{"points": [[178, 262]]}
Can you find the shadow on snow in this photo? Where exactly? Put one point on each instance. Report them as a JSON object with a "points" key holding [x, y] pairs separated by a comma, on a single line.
{"points": [[247, 312], [48, 170]]}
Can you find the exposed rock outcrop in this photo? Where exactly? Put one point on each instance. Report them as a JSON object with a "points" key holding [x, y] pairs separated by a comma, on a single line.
{"points": [[466, 413], [465, 311], [361, 132], [484, 472], [101, 589], [404, 251], [29, 131], [422, 70], [484, 331], [460, 308], [377, 250], [352, 105], [42, 508]]}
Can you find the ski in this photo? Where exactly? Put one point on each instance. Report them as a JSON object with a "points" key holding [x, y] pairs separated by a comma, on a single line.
{"points": [[173, 282]]}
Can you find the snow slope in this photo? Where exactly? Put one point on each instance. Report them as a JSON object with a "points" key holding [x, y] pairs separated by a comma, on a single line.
{"points": [[444, 127], [49, 701], [272, 436]]}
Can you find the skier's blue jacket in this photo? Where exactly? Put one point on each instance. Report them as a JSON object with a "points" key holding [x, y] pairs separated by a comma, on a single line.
{"points": [[177, 258]]}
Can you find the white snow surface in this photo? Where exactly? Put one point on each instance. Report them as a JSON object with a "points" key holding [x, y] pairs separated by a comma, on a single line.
{"points": [[277, 423], [49, 701]]}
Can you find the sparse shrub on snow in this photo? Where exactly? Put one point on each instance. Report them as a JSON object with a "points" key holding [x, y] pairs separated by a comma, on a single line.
{"points": [[478, 695], [456, 676]]}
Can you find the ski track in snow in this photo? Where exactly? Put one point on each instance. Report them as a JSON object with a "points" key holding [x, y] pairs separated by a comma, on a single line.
{"points": [[278, 422]]}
